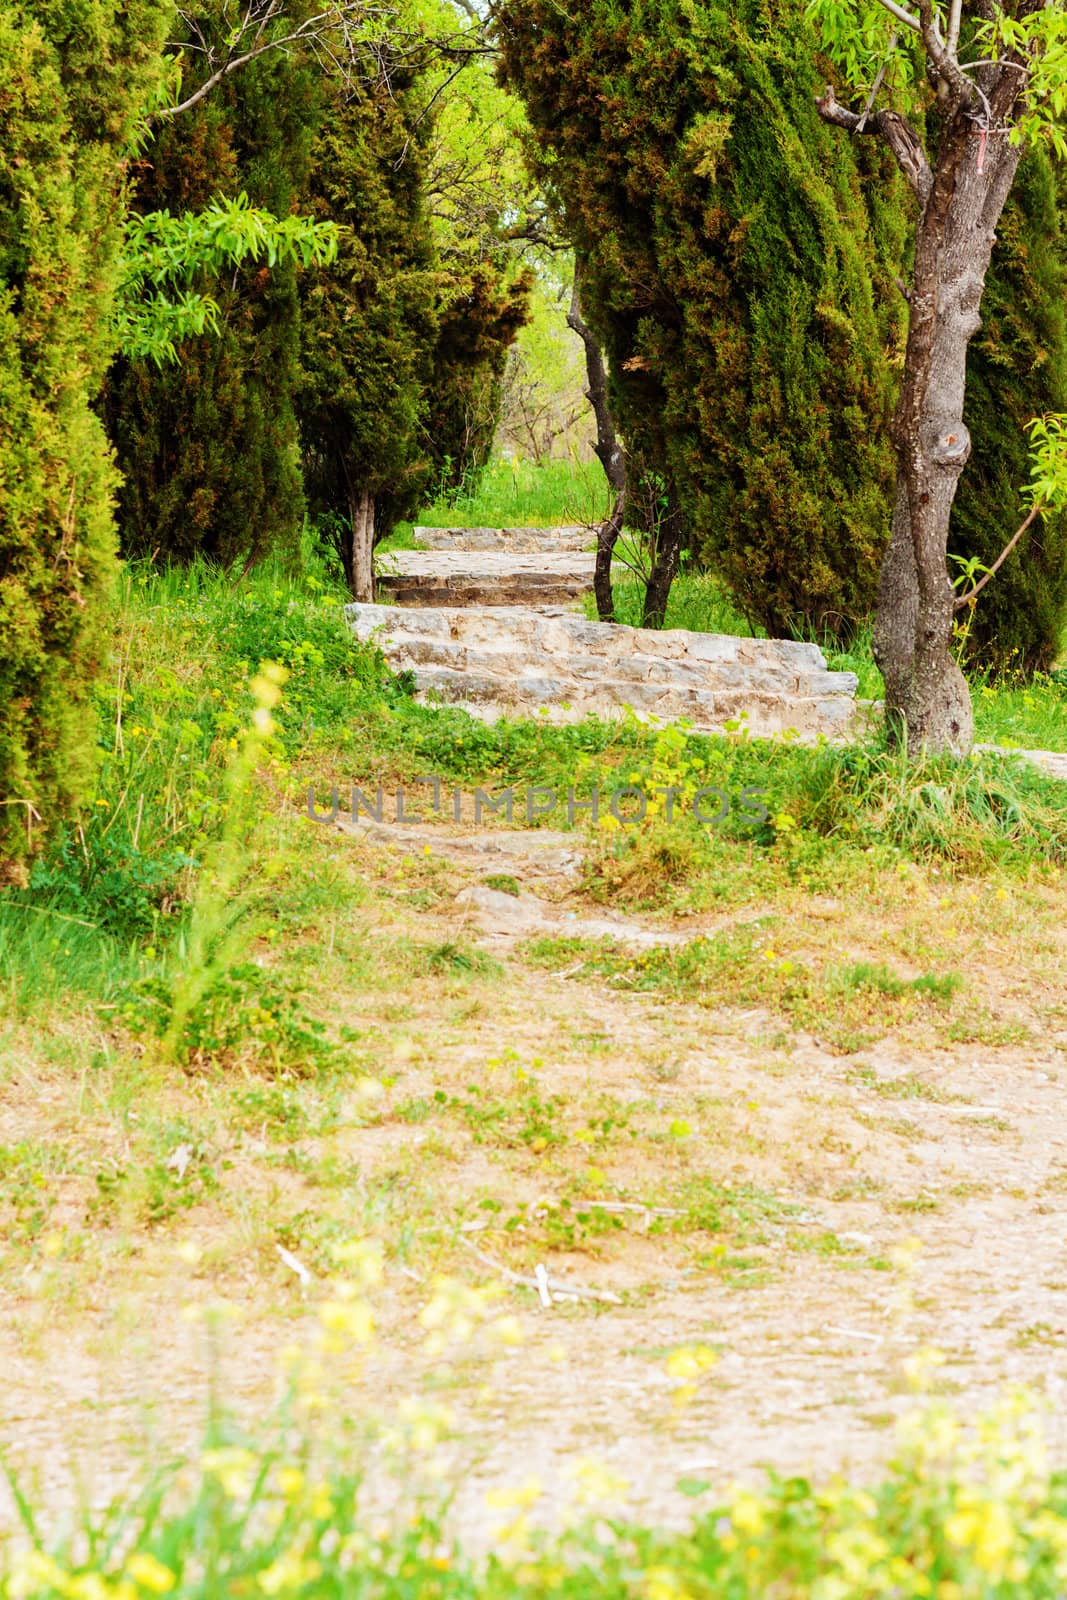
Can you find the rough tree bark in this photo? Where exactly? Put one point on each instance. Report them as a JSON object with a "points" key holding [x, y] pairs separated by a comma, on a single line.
{"points": [[609, 452], [359, 556], [666, 556], [961, 194]]}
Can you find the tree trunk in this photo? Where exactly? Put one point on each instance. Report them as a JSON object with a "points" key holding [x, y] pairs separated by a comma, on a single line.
{"points": [[609, 453], [928, 703], [666, 555], [607, 536], [360, 563]]}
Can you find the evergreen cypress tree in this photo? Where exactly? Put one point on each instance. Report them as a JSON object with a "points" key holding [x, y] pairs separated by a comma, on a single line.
{"points": [[208, 448], [484, 308], [1017, 368], [72, 86], [732, 272], [370, 322]]}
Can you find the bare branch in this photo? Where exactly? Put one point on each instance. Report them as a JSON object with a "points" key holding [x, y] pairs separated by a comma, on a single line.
{"points": [[876, 85], [897, 132], [965, 599], [906, 17], [955, 17], [252, 38], [943, 60]]}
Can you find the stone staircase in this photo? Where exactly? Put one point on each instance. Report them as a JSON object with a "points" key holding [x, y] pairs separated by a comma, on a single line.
{"points": [[484, 575], [552, 662]]}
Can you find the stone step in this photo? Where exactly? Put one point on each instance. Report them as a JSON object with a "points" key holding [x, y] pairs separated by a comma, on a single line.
{"points": [[513, 659], [484, 577], [513, 540], [519, 590], [565, 632], [585, 672], [763, 713]]}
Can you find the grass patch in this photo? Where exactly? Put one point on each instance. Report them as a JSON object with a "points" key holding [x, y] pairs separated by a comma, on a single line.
{"points": [[740, 967], [905, 1086], [1027, 715], [877, 977], [697, 601], [172, 863], [521, 494]]}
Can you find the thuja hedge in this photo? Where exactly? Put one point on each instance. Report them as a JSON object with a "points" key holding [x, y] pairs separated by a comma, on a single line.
{"points": [[208, 446], [72, 83]]}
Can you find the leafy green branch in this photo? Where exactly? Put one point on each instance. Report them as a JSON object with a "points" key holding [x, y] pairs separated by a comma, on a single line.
{"points": [[165, 256], [1046, 491]]}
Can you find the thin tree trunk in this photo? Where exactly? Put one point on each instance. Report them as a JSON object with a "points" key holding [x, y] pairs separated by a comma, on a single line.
{"points": [[961, 194], [609, 452], [607, 536], [928, 702], [666, 556], [360, 572]]}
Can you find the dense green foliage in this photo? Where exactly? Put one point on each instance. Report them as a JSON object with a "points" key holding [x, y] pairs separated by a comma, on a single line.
{"points": [[484, 310], [733, 272], [1017, 369], [164, 257], [403, 343], [370, 320], [71, 87], [208, 448]]}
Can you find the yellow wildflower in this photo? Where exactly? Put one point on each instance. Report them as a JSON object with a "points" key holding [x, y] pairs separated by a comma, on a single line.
{"points": [[145, 1569]]}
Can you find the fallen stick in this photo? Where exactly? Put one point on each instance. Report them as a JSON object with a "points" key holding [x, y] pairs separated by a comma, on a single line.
{"points": [[631, 1205], [296, 1266], [551, 1284], [852, 1333]]}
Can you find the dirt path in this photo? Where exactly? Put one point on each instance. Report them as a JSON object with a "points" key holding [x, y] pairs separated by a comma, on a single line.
{"points": [[813, 1218]]}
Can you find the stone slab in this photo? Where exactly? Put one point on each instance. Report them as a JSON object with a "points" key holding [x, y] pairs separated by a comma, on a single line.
{"points": [[519, 659]]}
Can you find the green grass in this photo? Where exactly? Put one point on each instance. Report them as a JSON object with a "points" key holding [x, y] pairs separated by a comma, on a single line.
{"points": [[124, 882], [171, 866], [518, 493], [697, 601], [964, 1512], [1027, 716], [741, 967]]}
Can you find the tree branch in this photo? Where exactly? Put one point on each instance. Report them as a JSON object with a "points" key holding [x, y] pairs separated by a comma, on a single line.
{"points": [[906, 17], [314, 31], [897, 132], [943, 59], [876, 85], [955, 16], [965, 599]]}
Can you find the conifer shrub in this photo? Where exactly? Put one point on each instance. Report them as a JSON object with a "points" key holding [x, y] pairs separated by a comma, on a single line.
{"points": [[740, 283], [484, 306], [72, 87], [208, 446], [370, 320], [403, 343]]}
